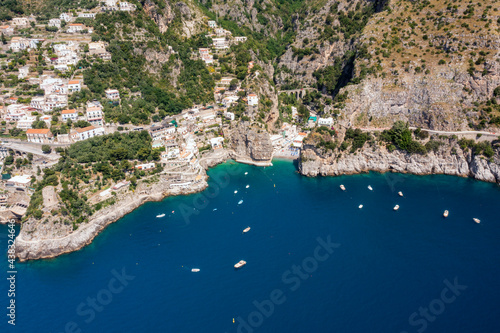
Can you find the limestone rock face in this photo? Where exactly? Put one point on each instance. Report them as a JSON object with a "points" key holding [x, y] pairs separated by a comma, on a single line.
{"points": [[38, 239], [251, 144], [460, 163], [162, 17]]}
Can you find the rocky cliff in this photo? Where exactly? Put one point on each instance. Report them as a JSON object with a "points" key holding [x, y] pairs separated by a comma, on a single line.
{"points": [[45, 239], [251, 143], [449, 160]]}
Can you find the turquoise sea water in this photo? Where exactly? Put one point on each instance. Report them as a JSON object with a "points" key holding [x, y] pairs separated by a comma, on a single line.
{"points": [[383, 271]]}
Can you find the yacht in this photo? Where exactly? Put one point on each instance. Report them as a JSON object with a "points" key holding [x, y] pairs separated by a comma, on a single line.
{"points": [[370, 188], [247, 229], [235, 192], [247, 186], [195, 270], [360, 206], [445, 214], [240, 202], [160, 215], [241, 263], [400, 193], [396, 207], [342, 187], [477, 220]]}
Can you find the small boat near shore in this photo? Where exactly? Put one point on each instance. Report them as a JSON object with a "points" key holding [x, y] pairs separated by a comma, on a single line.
{"points": [[360, 206], [445, 214], [342, 187], [400, 193], [195, 270], [159, 216], [247, 229], [396, 207], [246, 173], [240, 264], [235, 192], [476, 220], [370, 188], [240, 202], [247, 186]]}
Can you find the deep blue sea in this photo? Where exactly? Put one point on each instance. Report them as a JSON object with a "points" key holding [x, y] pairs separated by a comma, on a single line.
{"points": [[315, 261]]}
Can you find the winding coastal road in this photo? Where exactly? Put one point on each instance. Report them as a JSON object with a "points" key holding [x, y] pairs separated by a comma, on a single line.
{"points": [[495, 134]]}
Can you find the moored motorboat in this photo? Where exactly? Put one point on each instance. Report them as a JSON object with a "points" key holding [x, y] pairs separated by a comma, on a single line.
{"points": [[240, 263], [476, 220], [247, 186], [445, 214], [342, 187], [370, 188], [160, 215], [247, 229], [246, 173], [235, 192], [195, 270], [360, 206], [240, 202], [396, 207], [400, 193]]}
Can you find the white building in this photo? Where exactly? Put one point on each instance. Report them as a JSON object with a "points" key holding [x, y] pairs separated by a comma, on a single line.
{"points": [[87, 15], [217, 142], [325, 121], [229, 115], [19, 44], [42, 135], [252, 99], [78, 27], [220, 43], [145, 166], [69, 114], [55, 22], [66, 17], [21, 181], [95, 116], [20, 21], [240, 39], [212, 24], [6, 30], [112, 94], [85, 133], [25, 123], [111, 3], [74, 85], [126, 6], [23, 72]]}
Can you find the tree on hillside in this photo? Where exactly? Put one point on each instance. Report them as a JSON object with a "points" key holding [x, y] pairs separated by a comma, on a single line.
{"points": [[46, 149]]}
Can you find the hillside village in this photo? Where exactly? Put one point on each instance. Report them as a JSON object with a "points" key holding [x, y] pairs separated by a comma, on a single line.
{"points": [[38, 107]]}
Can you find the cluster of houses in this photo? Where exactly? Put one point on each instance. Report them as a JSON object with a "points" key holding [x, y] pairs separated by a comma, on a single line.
{"points": [[221, 40], [115, 5]]}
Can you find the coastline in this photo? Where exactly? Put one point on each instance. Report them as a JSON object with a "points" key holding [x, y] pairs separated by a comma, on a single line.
{"points": [[310, 164]]}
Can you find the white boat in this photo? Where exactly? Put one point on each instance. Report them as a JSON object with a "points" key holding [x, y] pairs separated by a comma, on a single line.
{"points": [[235, 192], [160, 216], [240, 202], [342, 187], [360, 206], [396, 207], [445, 214], [247, 229], [241, 263], [400, 193], [370, 188], [247, 186], [214, 209], [246, 173], [195, 270], [476, 220]]}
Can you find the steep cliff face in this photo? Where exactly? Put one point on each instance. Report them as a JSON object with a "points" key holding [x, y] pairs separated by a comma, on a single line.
{"points": [[425, 63], [251, 143], [162, 17], [458, 163], [38, 239], [185, 16]]}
